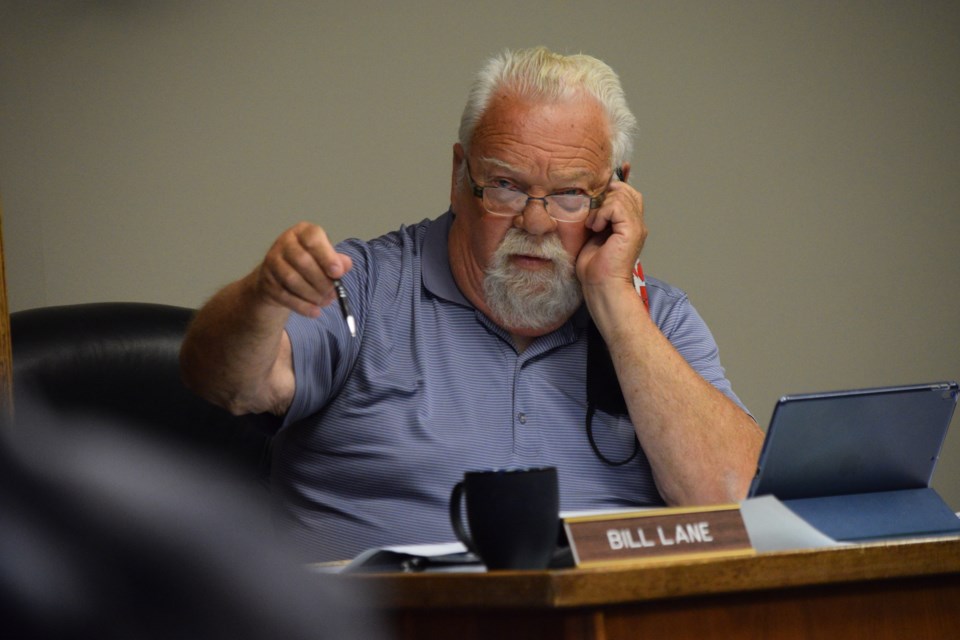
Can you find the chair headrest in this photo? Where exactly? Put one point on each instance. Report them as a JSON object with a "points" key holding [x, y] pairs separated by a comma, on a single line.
{"points": [[120, 360]]}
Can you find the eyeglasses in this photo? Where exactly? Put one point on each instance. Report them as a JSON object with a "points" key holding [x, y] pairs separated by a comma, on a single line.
{"points": [[511, 201]]}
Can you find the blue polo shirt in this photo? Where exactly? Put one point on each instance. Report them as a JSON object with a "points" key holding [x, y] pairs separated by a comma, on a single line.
{"points": [[381, 427]]}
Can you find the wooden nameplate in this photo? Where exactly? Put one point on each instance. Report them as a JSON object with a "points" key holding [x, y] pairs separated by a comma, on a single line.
{"points": [[658, 534]]}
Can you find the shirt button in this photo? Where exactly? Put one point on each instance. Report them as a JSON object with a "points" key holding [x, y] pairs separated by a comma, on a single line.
{"points": [[522, 418]]}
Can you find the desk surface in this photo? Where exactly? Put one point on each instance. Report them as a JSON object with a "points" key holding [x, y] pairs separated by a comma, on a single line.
{"points": [[679, 578], [673, 579], [881, 591]]}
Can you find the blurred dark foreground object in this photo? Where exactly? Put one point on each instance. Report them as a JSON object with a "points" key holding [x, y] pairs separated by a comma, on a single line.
{"points": [[106, 533]]}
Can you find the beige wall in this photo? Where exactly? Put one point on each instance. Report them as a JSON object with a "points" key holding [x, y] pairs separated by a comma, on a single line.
{"points": [[799, 159]]}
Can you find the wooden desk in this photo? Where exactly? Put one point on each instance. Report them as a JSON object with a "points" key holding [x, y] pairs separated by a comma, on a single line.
{"points": [[905, 589]]}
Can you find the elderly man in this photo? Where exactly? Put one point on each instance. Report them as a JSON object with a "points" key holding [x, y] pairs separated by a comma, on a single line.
{"points": [[473, 332]]}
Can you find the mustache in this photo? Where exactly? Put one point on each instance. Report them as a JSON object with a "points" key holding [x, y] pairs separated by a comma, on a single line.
{"points": [[519, 242]]}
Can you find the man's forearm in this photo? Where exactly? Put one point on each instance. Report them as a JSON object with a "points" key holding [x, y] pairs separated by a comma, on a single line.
{"points": [[236, 354], [701, 446]]}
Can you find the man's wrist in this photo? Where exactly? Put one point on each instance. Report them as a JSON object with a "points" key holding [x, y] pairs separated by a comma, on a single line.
{"points": [[616, 309]]}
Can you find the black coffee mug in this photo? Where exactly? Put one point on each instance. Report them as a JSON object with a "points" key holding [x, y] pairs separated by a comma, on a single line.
{"points": [[514, 516]]}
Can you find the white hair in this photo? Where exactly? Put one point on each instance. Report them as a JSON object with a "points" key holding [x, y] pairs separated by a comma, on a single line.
{"points": [[540, 74]]}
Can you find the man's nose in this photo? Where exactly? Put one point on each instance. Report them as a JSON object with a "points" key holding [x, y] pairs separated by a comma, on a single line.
{"points": [[535, 220]]}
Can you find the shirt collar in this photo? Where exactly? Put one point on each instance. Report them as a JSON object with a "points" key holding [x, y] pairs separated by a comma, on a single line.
{"points": [[437, 275]]}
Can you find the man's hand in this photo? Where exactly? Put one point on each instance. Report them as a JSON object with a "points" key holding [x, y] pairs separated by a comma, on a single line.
{"points": [[236, 352], [608, 257], [299, 269]]}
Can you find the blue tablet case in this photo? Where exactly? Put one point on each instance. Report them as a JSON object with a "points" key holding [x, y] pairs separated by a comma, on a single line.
{"points": [[857, 464]]}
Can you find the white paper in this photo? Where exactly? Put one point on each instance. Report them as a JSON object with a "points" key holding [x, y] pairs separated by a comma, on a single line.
{"points": [[429, 550], [604, 512], [774, 527], [433, 550]]}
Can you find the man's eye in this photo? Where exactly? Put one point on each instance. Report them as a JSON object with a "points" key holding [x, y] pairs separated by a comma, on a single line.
{"points": [[502, 183], [570, 192]]}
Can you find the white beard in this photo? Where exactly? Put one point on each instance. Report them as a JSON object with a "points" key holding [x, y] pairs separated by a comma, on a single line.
{"points": [[535, 300]]}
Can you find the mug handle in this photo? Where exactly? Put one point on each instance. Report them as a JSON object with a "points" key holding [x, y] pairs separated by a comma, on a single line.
{"points": [[456, 519]]}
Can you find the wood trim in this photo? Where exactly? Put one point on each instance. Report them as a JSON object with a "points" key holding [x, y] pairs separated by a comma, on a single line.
{"points": [[879, 591], [6, 352], [884, 610], [572, 588]]}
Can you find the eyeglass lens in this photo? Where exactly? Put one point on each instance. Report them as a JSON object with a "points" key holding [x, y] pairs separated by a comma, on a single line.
{"points": [[512, 202]]}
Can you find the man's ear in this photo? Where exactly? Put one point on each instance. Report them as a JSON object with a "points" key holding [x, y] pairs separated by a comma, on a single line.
{"points": [[625, 169], [458, 160]]}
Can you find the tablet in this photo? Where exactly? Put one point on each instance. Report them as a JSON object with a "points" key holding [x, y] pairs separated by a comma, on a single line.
{"points": [[859, 441]]}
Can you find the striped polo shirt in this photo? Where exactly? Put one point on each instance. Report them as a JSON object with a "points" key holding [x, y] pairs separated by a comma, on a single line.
{"points": [[382, 426]]}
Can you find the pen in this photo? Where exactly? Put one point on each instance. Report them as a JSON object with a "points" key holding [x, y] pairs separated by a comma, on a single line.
{"points": [[345, 307]]}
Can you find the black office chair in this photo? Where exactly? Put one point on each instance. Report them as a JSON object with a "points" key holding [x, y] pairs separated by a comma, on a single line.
{"points": [[119, 361]]}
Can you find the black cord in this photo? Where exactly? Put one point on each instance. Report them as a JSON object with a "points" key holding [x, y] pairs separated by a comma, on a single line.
{"points": [[593, 443]]}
